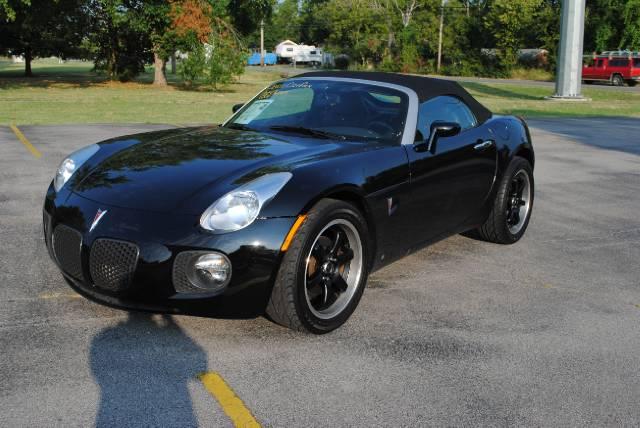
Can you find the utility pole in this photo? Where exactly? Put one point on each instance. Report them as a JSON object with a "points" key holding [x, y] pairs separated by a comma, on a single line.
{"points": [[262, 42], [569, 72], [440, 36]]}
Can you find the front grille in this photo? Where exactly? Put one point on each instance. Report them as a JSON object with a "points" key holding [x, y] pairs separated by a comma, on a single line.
{"points": [[67, 245], [112, 264]]}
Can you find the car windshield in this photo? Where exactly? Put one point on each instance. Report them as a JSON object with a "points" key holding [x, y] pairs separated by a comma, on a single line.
{"points": [[330, 109]]}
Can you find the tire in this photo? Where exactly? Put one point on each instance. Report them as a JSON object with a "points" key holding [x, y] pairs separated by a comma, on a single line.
{"points": [[311, 292], [500, 227], [617, 80]]}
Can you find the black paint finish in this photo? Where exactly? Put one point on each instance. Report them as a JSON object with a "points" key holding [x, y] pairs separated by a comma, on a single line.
{"points": [[155, 187]]}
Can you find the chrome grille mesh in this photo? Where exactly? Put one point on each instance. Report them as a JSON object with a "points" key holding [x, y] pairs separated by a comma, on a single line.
{"points": [[112, 264], [180, 281], [67, 245]]}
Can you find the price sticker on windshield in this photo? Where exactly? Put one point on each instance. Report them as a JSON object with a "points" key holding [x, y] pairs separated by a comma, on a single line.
{"points": [[253, 111]]}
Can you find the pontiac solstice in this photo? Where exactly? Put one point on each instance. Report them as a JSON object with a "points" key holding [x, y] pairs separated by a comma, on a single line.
{"points": [[286, 207]]}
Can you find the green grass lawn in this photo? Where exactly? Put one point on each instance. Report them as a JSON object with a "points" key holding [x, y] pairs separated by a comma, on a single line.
{"points": [[529, 101], [71, 93]]}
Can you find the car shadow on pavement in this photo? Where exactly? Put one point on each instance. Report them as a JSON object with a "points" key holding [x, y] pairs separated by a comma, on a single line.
{"points": [[143, 366]]}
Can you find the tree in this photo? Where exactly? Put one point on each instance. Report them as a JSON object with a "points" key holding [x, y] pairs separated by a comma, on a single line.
{"points": [[120, 48], [355, 29], [226, 56], [219, 60], [508, 21], [545, 31], [631, 38], [313, 29], [603, 25], [29, 31], [247, 14], [285, 22], [7, 11], [155, 19]]}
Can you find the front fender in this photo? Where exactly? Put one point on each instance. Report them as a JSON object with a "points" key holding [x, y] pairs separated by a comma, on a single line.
{"points": [[360, 174]]}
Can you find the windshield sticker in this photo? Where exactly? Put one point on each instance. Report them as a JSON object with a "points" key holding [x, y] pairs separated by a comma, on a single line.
{"points": [[253, 111], [281, 88]]}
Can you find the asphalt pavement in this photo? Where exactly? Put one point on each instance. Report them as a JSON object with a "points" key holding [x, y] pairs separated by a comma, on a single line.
{"points": [[542, 333]]}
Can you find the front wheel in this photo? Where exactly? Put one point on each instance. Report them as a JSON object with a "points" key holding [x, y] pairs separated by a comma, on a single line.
{"points": [[324, 271], [512, 206]]}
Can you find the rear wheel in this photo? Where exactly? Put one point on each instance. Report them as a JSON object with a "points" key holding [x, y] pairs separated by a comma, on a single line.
{"points": [[617, 80], [512, 206], [324, 271]]}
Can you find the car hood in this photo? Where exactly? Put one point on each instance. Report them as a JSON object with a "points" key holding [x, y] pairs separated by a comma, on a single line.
{"points": [[162, 171]]}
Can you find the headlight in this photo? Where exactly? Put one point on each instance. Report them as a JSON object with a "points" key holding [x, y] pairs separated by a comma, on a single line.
{"points": [[239, 208], [71, 165]]}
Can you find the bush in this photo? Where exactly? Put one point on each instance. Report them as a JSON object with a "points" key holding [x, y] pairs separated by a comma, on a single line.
{"points": [[193, 66], [226, 60], [342, 62], [216, 63], [389, 64]]}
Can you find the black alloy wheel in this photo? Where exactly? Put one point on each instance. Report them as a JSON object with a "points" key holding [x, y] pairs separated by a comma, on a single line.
{"points": [[512, 205], [323, 273]]}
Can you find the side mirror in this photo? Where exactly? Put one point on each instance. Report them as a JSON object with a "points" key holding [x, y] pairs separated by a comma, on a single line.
{"points": [[237, 107], [439, 129]]}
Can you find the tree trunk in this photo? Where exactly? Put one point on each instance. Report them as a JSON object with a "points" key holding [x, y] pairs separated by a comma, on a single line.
{"points": [[159, 78], [27, 62]]}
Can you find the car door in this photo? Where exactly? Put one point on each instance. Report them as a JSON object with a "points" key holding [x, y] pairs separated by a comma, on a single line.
{"points": [[449, 183]]}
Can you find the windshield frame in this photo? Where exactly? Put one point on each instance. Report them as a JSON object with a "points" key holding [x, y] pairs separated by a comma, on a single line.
{"points": [[408, 133]]}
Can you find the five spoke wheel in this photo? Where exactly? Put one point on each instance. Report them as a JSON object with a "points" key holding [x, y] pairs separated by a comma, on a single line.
{"points": [[518, 203], [333, 268]]}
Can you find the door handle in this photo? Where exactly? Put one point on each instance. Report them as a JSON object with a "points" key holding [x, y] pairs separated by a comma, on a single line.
{"points": [[483, 145]]}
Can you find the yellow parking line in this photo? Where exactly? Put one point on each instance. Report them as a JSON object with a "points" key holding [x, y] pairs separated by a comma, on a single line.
{"points": [[35, 152], [228, 400], [57, 295]]}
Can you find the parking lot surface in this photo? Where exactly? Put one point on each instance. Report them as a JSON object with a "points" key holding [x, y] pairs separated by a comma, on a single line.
{"points": [[544, 332]]}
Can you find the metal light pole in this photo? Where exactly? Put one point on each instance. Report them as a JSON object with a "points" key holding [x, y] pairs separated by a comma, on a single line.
{"points": [[262, 43], [569, 71], [440, 36]]}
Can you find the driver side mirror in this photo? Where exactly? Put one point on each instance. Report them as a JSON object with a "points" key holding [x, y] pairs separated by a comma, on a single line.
{"points": [[237, 107], [439, 129]]}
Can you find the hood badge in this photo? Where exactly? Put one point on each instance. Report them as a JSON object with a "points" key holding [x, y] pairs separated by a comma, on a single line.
{"points": [[97, 218]]}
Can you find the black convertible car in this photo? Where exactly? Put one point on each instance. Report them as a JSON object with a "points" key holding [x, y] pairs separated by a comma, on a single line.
{"points": [[286, 207]]}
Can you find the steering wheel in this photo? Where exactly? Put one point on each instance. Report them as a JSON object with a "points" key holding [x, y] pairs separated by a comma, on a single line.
{"points": [[381, 128]]}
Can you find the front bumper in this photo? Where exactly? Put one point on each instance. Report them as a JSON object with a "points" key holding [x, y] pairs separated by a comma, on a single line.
{"points": [[155, 240]]}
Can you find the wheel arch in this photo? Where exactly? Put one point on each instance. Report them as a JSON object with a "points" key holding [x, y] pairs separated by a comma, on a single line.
{"points": [[527, 153], [355, 196]]}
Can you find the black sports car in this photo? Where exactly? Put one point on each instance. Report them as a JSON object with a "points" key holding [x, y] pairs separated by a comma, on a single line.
{"points": [[286, 207]]}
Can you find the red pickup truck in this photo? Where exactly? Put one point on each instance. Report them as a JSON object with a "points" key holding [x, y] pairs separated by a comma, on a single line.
{"points": [[614, 67]]}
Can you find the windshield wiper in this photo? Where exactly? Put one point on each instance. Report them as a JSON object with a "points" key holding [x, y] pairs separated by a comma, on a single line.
{"points": [[307, 131], [240, 127]]}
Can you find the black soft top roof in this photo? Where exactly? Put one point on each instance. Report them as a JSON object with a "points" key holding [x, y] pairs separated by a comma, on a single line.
{"points": [[425, 87]]}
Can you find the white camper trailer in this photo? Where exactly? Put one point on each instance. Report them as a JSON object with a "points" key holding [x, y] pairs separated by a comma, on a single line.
{"points": [[289, 51]]}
